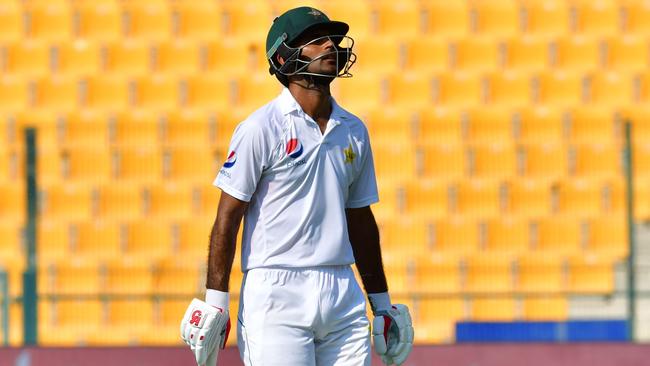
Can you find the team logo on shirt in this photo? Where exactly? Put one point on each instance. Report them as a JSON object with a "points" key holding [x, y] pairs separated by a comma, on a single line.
{"points": [[232, 159], [294, 148]]}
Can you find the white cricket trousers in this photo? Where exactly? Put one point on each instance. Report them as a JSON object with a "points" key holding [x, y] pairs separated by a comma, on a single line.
{"points": [[303, 317]]}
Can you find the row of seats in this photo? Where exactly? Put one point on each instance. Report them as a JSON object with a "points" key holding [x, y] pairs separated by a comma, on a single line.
{"points": [[137, 321], [155, 20], [405, 90], [424, 54]]}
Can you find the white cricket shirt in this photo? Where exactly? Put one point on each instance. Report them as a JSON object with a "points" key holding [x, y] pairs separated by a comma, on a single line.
{"points": [[298, 182]]}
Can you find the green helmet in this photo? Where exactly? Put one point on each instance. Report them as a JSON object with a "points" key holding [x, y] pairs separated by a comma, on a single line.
{"points": [[290, 26]]}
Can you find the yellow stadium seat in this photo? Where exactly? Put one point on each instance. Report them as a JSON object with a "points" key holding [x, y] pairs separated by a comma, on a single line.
{"points": [[149, 20], [488, 274], [526, 53], [410, 90], [397, 19], [347, 91], [388, 204], [357, 14], [618, 200], [458, 89], [637, 16], [390, 125], [627, 53], [644, 88], [87, 164], [253, 91], [510, 89], [57, 93], [436, 319], [529, 198], [476, 54], [437, 274], [148, 239], [400, 271], [49, 21], [560, 88], [544, 161], [131, 315], [597, 160], [173, 276], [98, 21], [45, 121], [455, 235], [641, 159], [540, 274], [607, 237], [247, 20], [126, 277], [426, 54], [97, 240], [559, 235], [438, 125], [596, 17], [137, 127], [14, 94], [442, 161], [577, 52], [53, 241], [592, 124], [169, 201], [209, 196], [157, 91], [77, 58], [488, 125], [446, 18], [579, 197], [494, 309], [639, 116], [539, 124], [143, 164], [128, 57], [28, 58], [68, 277], [394, 161], [67, 201], [478, 198], [197, 20], [190, 163], [611, 89], [411, 235], [426, 198], [11, 21], [11, 246], [178, 56], [107, 92], [507, 236], [188, 128], [496, 18], [119, 201], [545, 308], [209, 91], [546, 18], [85, 128], [377, 55], [240, 58], [194, 237], [496, 160], [5, 158], [590, 274]]}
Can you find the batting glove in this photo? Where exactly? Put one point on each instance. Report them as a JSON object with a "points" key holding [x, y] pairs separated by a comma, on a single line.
{"points": [[205, 329], [393, 334]]}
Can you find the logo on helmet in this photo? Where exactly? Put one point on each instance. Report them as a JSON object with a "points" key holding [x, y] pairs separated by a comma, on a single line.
{"points": [[315, 13]]}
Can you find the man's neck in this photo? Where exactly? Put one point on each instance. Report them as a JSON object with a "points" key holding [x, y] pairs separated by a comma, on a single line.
{"points": [[314, 100]]}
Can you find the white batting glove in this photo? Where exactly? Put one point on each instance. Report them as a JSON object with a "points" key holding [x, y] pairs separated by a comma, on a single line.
{"points": [[205, 329], [393, 334]]}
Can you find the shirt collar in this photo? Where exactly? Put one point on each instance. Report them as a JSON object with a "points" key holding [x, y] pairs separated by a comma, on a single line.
{"points": [[289, 104]]}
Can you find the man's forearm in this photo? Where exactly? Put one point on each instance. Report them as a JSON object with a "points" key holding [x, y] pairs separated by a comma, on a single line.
{"points": [[364, 237], [223, 239]]}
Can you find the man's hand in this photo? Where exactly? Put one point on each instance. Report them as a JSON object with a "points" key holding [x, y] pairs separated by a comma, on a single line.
{"points": [[393, 334], [205, 329]]}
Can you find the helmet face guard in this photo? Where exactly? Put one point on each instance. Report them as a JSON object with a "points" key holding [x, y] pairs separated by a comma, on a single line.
{"points": [[296, 65]]}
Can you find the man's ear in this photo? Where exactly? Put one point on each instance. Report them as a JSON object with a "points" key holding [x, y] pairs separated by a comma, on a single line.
{"points": [[279, 59]]}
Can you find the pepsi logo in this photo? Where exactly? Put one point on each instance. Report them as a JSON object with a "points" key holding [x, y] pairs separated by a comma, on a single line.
{"points": [[231, 160], [294, 148]]}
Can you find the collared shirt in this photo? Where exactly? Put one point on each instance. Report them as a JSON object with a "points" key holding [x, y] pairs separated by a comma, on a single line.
{"points": [[298, 182]]}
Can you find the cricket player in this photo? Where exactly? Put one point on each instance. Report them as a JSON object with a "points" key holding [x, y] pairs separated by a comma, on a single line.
{"points": [[300, 172]]}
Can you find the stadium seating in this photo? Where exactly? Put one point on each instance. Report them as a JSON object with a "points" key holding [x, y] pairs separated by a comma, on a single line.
{"points": [[526, 53], [446, 18], [98, 21], [11, 21], [546, 18]]}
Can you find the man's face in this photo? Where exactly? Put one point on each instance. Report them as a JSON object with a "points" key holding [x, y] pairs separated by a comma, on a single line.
{"points": [[318, 47]]}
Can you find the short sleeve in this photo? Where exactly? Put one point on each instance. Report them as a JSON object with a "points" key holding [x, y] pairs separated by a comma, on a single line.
{"points": [[363, 191], [246, 159]]}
